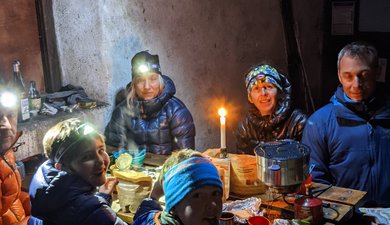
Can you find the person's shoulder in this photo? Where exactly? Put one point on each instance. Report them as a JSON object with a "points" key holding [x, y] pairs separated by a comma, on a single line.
{"points": [[175, 105], [298, 113], [321, 115], [298, 116], [120, 108], [176, 101], [147, 218], [326, 109]]}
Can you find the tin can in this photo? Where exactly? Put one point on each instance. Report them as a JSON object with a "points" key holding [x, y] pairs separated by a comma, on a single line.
{"points": [[308, 208]]}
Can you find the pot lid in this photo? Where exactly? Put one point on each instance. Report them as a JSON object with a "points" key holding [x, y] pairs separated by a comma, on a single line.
{"points": [[282, 150]]}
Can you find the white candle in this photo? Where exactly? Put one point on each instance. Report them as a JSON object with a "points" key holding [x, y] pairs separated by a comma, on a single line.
{"points": [[222, 114]]}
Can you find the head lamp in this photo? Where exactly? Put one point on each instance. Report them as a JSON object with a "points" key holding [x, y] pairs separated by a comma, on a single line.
{"points": [[143, 68], [147, 68], [75, 137], [143, 63], [8, 99], [87, 129]]}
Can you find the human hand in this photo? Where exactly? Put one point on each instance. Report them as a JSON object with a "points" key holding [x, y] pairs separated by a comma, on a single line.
{"points": [[157, 190], [108, 187]]}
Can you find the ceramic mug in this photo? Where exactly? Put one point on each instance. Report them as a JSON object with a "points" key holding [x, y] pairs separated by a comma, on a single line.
{"points": [[258, 220], [227, 218]]}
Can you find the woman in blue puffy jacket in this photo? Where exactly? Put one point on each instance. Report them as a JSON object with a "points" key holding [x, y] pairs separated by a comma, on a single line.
{"points": [[151, 117]]}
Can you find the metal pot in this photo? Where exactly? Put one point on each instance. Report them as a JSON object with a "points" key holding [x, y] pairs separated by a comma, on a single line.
{"points": [[282, 165]]}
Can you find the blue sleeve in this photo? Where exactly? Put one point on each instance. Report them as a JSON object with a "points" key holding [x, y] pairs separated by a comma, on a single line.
{"points": [[104, 215], [314, 137], [115, 131], [183, 128], [101, 212], [146, 206]]}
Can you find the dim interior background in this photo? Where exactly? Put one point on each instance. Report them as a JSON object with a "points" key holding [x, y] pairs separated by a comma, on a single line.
{"points": [[204, 46]]}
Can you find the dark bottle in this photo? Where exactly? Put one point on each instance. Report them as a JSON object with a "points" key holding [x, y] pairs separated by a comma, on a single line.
{"points": [[24, 112], [34, 98]]}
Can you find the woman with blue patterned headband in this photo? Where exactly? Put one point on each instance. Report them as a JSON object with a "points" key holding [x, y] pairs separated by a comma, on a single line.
{"points": [[192, 189], [271, 115]]}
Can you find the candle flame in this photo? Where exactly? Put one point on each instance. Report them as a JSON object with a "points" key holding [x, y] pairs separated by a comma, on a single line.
{"points": [[222, 112]]}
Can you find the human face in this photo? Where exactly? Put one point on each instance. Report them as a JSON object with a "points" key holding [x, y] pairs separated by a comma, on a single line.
{"points": [[92, 162], [147, 86], [202, 206], [264, 97], [8, 125], [357, 78]]}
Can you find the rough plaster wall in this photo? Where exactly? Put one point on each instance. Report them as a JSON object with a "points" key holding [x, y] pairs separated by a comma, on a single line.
{"points": [[204, 46], [309, 25]]}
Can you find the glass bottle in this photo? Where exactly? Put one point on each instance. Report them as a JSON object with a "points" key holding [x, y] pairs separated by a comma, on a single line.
{"points": [[24, 112], [34, 98]]}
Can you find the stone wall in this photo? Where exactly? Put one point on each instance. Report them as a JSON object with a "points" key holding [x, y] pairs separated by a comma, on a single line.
{"points": [[204, 46]]}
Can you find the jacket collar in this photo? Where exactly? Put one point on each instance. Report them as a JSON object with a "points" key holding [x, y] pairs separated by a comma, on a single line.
{"points": [[376, 108]]}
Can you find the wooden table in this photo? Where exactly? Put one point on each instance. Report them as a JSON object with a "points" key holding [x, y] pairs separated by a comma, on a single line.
{"points": [[341, 203]]}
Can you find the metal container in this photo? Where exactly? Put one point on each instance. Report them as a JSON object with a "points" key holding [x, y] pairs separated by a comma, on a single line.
{"points": [[227, 218], [309, 208], [282, 165]]}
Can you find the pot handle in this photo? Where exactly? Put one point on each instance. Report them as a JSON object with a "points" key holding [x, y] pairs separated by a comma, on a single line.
{"points": [[274, 167]]}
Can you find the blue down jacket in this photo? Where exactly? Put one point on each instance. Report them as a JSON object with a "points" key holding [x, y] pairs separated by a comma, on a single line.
{"points": [[350, 145], [159, 125], [61, 198], [150, 213]]}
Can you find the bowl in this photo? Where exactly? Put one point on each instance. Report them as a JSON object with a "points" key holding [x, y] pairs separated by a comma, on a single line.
{"points": [[259, 220]]}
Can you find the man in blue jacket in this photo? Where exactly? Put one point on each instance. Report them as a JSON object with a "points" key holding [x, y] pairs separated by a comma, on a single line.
{"points": [[350, 136]]}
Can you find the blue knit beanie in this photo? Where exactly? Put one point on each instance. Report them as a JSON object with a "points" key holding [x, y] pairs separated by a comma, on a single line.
{"points": [[186, 176]]}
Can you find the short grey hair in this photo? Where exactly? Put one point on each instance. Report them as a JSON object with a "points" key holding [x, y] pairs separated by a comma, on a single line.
{"points": [[364, 51]]}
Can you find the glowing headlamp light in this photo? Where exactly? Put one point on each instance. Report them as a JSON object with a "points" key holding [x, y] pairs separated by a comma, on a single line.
{"points": [[8, 99], [146, 68], [74, 138], [143, 68], [87, 129]]}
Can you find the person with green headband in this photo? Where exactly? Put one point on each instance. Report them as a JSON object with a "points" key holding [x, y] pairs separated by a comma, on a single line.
{"points": [[271, 114], [71, 186]]}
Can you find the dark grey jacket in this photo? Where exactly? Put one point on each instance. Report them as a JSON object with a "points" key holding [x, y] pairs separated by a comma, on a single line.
{"points": [[159, 125]]}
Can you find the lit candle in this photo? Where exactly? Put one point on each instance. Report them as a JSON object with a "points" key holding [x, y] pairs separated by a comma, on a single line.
{"points": [[222, 114]]}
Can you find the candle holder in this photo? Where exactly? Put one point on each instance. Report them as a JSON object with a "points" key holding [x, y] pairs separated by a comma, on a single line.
{"points": [[223, 154]]}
